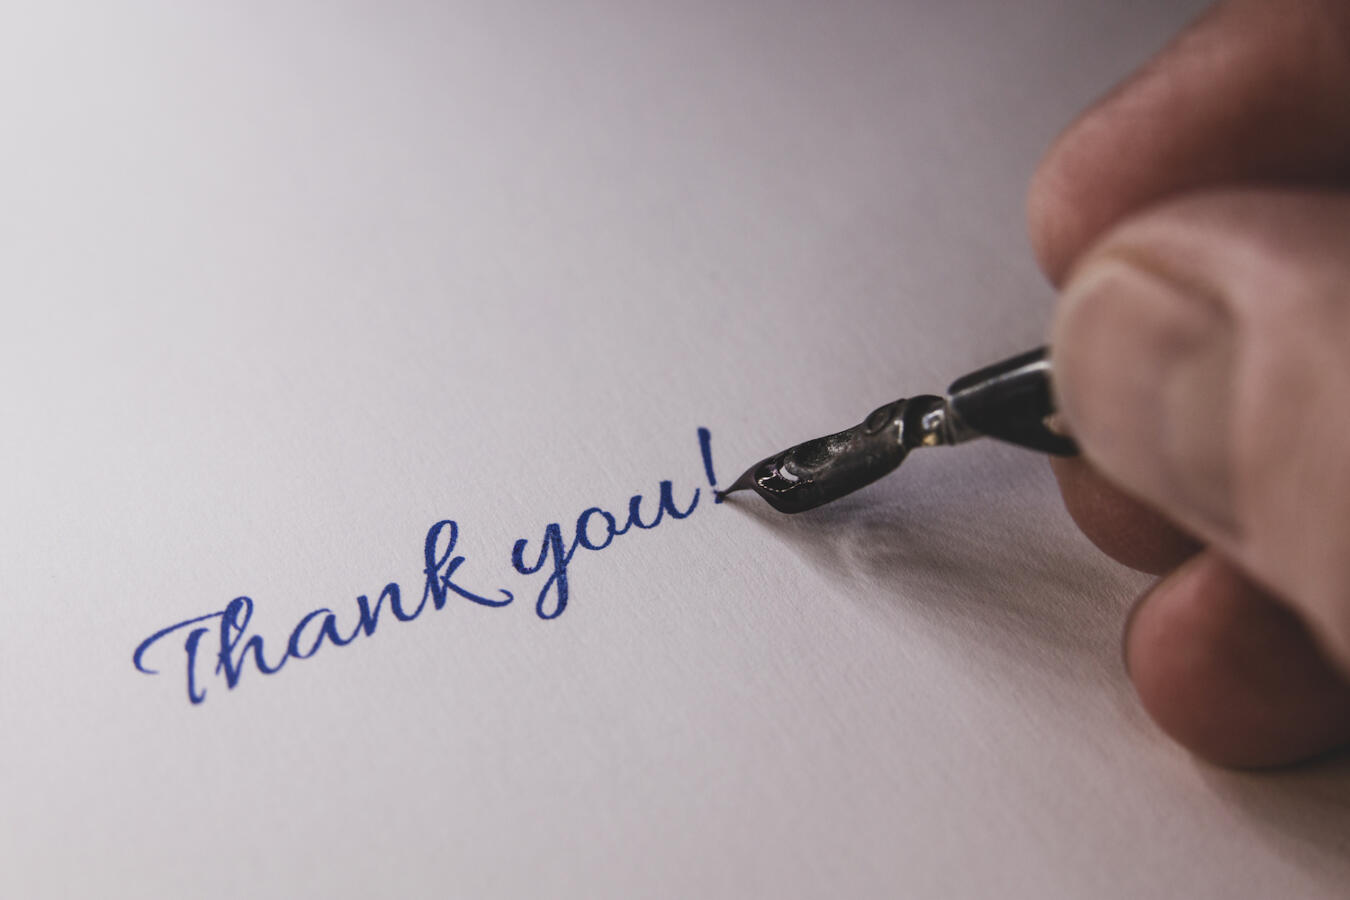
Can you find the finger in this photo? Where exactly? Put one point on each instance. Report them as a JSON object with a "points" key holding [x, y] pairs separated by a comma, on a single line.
{"points": [[1202, 356], [1121, 527], [1231, 673], [1254, 91]]}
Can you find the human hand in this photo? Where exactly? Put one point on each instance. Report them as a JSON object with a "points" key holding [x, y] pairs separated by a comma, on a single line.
{"points": [[1198, 223]]}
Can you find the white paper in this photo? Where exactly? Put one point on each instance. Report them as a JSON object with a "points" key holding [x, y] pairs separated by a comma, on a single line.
{"points": [[284, 284]]}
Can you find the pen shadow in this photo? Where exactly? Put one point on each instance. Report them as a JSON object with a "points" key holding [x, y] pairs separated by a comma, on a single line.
{"points": [[970, 550], [977, 551]]}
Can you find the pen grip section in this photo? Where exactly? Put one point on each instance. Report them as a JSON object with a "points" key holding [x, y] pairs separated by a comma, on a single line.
{"points": [[1011, 401]]}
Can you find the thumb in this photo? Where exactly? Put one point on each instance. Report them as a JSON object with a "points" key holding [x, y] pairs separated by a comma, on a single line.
{"points": [[1202, 359]]}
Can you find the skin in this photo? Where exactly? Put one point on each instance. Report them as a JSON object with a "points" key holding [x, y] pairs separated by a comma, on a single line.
{"points": [[1197, 223]]}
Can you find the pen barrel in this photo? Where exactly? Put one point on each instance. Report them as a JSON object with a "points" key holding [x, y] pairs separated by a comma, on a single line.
{"points": [[1012, 401]]}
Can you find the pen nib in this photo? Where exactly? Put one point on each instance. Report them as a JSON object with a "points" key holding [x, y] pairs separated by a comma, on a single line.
{"points": [[745, 483], [818, 471]]}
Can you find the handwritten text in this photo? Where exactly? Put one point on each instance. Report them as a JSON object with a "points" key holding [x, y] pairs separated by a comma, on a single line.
{"points": [[219, 644]]}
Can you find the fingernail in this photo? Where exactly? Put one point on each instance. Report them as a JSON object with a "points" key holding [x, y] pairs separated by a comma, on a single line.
{"points": [[1143, 373]]}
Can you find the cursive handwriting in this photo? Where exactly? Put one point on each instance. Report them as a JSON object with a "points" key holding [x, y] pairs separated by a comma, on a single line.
{"points": [[230, 648]]}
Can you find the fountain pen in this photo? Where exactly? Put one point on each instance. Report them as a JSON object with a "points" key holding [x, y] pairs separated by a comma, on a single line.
{"points": [[1009, 400]]}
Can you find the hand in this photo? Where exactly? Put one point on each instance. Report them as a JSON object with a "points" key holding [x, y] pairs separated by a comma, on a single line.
{"points": [[1198, 223]]}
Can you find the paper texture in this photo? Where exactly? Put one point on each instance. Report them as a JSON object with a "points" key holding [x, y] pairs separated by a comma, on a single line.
{"points": [[287, 284]]}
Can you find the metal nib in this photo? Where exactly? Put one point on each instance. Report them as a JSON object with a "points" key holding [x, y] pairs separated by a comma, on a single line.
{"points": [[821, 470], [1009, 400], [744, 483]]}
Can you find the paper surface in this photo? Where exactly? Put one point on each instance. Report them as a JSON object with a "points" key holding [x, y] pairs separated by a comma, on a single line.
{"points": [[286, 284]]}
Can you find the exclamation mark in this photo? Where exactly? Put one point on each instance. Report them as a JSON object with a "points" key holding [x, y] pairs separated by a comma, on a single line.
{"points": [[705, 444]]}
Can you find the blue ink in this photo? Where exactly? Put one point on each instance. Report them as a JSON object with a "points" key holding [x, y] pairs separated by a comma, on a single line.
{"points": [[438, 586], [668, 502], [595, 529], [584, 521], [233, 624], [635, 516], [293, 645], [705, 445], [164, 632], [235, 648], [551, 545], [190, 646]]}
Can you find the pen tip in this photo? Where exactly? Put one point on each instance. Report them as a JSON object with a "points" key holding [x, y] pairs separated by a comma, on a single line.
{"points": [[744, 483]]}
